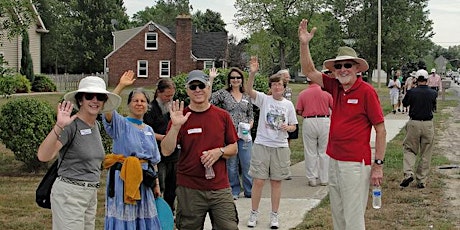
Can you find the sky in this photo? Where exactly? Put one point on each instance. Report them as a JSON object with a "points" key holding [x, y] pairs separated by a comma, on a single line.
{"points": [[445, 15]]}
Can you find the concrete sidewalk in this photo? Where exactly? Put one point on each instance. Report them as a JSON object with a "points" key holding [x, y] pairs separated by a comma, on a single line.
{"points": [[297, 197]]}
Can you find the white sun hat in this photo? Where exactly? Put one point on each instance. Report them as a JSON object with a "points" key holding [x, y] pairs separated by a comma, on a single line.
{"points": [[347, 53], [93, 84]]}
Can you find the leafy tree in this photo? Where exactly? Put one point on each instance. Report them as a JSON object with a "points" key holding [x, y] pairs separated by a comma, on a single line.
{"points": [[278, 19], [80, 33], [209, 21], [18, 16], [27, 68], [164, 12], [406, 29]]}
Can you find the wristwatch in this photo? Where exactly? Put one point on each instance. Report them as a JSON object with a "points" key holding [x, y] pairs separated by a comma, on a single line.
{"points": [[222, 151], [378, 162]]}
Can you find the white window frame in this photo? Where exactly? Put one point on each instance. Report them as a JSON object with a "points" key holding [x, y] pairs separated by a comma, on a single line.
{"points": [[167, 69], [142, 68], [208, 64], [153, 41]]}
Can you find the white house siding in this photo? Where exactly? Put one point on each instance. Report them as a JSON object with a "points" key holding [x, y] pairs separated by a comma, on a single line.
{"points": [[12, 50]]}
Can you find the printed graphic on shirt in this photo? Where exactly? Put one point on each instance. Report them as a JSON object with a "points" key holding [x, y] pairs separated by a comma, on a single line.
{"points": [[276, 117]]}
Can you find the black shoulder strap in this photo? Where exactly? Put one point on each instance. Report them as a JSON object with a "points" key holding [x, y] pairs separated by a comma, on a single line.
{"points": [[68, 145]]}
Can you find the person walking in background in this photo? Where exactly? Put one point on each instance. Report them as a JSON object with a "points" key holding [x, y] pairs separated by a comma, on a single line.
{"points": [[74, 193], [234, 99], [435, 82], [394, 86], [314, 105], [158, 118], [355, 111], [419, 131], [207, 138], [131, 179], [408, 85], [270, 153]]}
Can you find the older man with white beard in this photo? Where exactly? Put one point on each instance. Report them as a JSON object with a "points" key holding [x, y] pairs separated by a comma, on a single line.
{"points": [[356, 109]]}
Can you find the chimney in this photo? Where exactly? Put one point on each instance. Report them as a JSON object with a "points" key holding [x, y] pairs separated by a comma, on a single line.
{"points": [[184, 62]]}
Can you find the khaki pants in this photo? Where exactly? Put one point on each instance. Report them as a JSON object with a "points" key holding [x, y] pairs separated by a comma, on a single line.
{"points": [[418, 141], [348, 192], [193, 205], [73, 207]]}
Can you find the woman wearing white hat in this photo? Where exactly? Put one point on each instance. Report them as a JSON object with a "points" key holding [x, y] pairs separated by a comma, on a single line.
{"points": [[78, 141], [131, 182]]}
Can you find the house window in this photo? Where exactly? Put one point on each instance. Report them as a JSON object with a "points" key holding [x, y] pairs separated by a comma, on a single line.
{"points": [[208, 64], [165, 69], [142, 68], [151, 41]]}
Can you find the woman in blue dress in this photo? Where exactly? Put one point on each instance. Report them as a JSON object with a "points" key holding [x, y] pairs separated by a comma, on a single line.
{"points": [[130, 202]]}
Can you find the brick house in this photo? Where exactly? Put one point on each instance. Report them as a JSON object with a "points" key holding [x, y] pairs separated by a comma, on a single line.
{"points": [[154, 51]]}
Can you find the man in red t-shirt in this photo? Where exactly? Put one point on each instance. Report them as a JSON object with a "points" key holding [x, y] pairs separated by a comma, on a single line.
{"points": [[355, 111], [207, 137]]}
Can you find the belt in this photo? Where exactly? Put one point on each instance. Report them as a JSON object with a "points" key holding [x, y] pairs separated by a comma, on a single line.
{"points": [[316, 116], [420, 119], [80, 183]]}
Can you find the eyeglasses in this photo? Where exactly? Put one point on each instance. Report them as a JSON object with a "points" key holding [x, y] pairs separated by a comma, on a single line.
{"points": [[99, 96], [346, 65], [234, 77], [194, 86]]}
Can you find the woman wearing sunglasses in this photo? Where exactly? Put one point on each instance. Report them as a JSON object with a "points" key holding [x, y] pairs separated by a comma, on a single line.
{"points": [[131, 180], [77, 142], [234, 99]]}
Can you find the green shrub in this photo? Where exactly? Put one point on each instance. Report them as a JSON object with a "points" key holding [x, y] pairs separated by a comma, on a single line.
{"points": [[14, 83], [7, 85], [43, 83], [24, 124], [22, 84]]}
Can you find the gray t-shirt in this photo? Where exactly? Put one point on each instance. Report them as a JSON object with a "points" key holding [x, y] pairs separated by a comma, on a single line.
{"points": [[83, 160]]}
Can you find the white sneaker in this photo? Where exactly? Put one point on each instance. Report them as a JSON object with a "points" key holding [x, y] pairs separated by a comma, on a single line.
{"points": [[274, 223], [252, 219]]}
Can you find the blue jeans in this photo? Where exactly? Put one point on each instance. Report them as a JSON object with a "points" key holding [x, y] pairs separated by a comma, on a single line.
{"points": [[243, 159]]}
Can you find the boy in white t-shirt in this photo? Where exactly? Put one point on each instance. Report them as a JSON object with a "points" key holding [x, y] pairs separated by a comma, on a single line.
{"points": [[270, 153]]}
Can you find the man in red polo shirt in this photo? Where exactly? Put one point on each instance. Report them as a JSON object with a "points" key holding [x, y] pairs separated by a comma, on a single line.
{"points": [[355, 111]]}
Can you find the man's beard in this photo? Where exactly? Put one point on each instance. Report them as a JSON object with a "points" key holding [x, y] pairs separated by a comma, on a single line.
{"points": [[344, 80]]}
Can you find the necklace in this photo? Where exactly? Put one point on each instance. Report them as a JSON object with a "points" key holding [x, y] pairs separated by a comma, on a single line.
{"points": [[134, 120]]}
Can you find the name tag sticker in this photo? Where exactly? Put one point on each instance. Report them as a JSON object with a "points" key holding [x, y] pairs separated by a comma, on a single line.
{"points": [[148, 133], [244, 100], [195, 130], [352, 101], [85, 132]]}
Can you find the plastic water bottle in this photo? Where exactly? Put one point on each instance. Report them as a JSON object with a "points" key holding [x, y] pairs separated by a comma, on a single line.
{"points": [[209, 171], [245, 138], [377, 197]]}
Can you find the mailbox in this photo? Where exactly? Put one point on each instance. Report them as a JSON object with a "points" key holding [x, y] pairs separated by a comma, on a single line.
{"points": [[445, 84]]}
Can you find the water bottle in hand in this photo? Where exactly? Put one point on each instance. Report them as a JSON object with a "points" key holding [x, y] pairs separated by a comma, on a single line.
{"points": [[209, 171], [376, 197], [245, 138]]}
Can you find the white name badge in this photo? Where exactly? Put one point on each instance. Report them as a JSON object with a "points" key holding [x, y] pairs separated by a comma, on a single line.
{"points": [[352, 101], [244, 100], [195, 130], [148, 133], [85, 132]]}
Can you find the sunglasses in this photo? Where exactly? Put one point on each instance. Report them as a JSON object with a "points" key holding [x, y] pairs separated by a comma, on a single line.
{"points": [[232, 77], [346, 65], [194, 86], [99, 96]]}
